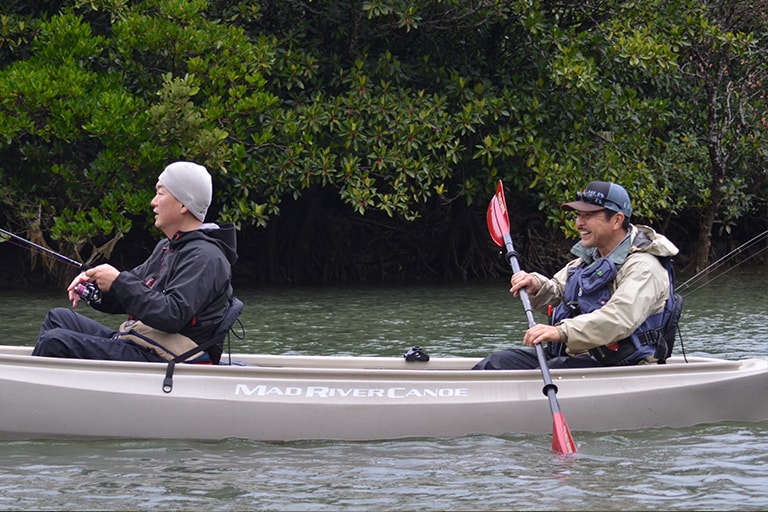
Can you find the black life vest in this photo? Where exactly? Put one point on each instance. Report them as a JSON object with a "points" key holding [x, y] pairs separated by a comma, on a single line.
{"points": [[587, 288]]}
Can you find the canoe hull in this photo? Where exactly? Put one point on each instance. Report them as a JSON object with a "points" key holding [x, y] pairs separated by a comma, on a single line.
{"points": [[284, 398]]}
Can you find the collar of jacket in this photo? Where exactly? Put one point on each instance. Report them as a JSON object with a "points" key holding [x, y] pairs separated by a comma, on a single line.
{"points": [[618, 255]]}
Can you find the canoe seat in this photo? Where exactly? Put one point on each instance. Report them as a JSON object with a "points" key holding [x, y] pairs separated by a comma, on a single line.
{"points": [[214, 346], [230, 317]]}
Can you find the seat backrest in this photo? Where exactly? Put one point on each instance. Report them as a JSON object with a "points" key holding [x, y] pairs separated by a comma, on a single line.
{"points": [[213, 346], [669, 330], [216, 343], [673, 309], [233, 312]]}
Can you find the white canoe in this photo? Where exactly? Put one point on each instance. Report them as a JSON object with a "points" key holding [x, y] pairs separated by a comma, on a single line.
{"points": [[282, 398]]}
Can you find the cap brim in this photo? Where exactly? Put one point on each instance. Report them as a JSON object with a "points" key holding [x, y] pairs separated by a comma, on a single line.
{"points": [[581, 206]]}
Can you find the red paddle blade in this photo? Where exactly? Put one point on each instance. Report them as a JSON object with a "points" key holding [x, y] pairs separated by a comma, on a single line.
{"points": [[496, 216], [562, 441]]}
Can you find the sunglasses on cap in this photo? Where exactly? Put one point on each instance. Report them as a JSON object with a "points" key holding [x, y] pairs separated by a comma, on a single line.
{"points": [[597, 199]]}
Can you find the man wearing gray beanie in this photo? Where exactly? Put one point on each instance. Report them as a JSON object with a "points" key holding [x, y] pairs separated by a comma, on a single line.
{"points": [[191, 184], [175, 300]]}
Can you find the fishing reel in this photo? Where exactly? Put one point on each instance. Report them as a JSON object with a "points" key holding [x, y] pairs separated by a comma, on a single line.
{"points": [[90, 293]]}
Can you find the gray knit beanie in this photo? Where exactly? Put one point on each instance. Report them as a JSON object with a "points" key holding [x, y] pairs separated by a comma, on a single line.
{"points": [[191, 184]]}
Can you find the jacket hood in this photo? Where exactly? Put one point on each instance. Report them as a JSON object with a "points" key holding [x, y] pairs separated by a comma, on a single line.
{"points": [[645, 239], [224, 237]]}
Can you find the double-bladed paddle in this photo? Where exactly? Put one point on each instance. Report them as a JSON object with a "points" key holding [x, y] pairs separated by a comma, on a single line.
{"points": [[498, 227]]}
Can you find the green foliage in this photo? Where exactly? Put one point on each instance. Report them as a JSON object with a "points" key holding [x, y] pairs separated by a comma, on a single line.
{"points": [[15, 35], [62, 140], [395, 107]]}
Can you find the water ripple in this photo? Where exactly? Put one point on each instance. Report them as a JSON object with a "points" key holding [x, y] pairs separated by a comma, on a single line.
{"points": [[710, 467]]}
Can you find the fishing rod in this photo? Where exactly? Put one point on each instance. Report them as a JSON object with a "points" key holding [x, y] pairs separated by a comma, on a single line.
{"points": [[7, 236], [704, 272], [89, 292]]}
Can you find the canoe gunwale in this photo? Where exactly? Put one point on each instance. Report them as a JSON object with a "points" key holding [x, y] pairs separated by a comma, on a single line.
{"points": [[392, 367]]}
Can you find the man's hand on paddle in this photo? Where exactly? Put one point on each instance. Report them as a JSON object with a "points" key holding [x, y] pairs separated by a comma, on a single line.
{"points": [[525, 280], [539, 333]]}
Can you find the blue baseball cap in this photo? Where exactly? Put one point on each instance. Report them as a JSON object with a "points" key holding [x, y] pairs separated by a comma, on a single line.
{"points": [[599, 195]]}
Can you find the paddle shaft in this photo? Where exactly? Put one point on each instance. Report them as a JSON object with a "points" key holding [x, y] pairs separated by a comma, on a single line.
{"points": [[31, 245], [550, 390], [498, 227]]}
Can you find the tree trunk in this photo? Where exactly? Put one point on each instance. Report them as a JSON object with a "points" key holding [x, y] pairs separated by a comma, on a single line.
{"points": [[704, 243], [717, 161]]}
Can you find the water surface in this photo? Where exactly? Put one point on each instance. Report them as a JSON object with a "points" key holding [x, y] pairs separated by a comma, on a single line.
{"points": [[708, 467]]}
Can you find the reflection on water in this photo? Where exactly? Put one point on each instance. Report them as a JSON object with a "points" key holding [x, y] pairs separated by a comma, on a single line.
{"points": [[715, 467], [706, 468], [729, 317], [449, 320]]}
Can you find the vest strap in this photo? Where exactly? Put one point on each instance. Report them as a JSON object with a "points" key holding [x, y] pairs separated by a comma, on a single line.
{"points": [[614, 354]]}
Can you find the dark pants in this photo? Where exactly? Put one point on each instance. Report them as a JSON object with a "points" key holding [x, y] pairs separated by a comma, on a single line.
{"points": [[525, 359], [65, 333]]}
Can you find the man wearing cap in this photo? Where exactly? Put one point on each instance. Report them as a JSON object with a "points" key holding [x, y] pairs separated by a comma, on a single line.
{"points": [[609, 303], [181, 292]]}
